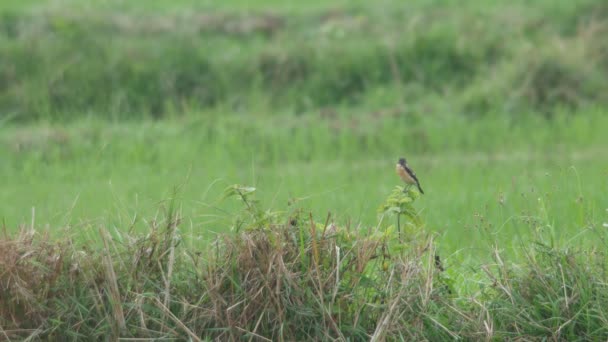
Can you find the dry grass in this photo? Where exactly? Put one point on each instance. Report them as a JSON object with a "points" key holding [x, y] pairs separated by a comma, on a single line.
{"points": [[288, 277]]}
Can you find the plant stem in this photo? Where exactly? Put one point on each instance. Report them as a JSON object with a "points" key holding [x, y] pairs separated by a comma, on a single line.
{"points": [[399, 224]]}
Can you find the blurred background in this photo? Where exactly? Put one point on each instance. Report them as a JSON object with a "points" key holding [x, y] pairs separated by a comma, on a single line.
{"points": [[108, 109]]}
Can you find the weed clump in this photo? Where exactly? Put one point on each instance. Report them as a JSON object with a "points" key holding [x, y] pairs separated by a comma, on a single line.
{"points": [[30, 271], [300, 279], [560, 294]]}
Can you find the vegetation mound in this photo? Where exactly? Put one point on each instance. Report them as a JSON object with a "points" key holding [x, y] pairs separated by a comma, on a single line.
{"points": [[284, 276]]}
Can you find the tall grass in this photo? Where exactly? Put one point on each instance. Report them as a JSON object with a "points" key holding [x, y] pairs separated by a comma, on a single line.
{"points": [[285, 276]]}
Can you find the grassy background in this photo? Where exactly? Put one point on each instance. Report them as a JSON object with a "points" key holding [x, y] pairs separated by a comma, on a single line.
{"points": [[91, 173], [108, 107]]}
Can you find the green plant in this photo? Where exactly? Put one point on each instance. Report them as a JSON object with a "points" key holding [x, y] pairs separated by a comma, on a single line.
{"points": [[400, 204]]}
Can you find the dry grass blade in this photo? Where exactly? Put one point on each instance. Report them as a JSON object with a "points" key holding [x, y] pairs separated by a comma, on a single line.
{"points": [[385, 320], [112, 284], [176, 320]]}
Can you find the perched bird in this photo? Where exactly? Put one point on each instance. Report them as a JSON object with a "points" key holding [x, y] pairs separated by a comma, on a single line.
{"points": [[407, 175]]}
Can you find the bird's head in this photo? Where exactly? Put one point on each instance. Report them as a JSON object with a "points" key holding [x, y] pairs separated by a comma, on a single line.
{"points": [[402, 161]]}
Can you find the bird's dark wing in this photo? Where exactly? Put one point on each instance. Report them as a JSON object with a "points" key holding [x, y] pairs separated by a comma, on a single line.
{"points": [[413, 175]]}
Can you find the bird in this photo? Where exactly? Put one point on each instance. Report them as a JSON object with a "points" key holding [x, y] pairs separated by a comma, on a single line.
{"points": [[407, 175]]}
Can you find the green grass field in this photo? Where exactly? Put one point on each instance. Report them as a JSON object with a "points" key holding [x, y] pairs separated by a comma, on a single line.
{"points": [[113, 112], [92, 172]]}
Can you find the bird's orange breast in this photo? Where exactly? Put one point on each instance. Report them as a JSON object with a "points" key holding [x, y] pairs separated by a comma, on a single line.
{"points": [[404, 175]]}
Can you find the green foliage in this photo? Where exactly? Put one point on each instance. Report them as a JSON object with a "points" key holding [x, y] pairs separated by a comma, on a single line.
{"points": [[400, 203], [255, 217], [65, 64]]}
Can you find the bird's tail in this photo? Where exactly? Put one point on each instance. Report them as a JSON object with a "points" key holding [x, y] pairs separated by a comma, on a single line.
{"points": [[420, 188]]}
